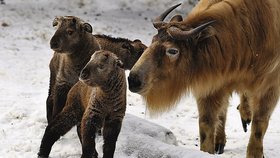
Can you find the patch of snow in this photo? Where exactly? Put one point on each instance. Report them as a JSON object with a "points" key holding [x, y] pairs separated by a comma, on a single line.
{"points": [[25, 31]]}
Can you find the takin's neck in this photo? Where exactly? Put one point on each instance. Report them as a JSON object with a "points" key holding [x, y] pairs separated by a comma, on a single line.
{"points": [[115, 85], [83, 52]]}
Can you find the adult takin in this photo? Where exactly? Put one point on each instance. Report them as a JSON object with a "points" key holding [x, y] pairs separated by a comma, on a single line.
{"points": [[97, 101], [74, 44], [220, 47]]}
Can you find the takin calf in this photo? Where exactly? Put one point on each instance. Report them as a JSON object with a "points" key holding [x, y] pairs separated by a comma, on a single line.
{"points": [[126, 50], [220, 47], [97, 101], [72, 43]]}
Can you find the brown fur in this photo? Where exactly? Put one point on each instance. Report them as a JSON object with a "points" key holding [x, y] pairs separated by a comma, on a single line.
{"points": [[127, 51], [97, 101], [72, 52], [238, 52]]}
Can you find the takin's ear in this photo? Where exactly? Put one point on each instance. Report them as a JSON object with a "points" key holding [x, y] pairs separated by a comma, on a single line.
{"points": [[176, 18], [204, 34], [127, 45], [87, 27], [119, 63], [56, 20]]}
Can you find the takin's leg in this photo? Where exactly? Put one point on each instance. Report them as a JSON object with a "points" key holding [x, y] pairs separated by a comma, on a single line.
{"points": [[245, 112], [209, 109], [49, 108], [79, 132], [111, 132], [60, 97], [64, 121], [220, 140], [50, 100], [91, 122], [261, 110]]}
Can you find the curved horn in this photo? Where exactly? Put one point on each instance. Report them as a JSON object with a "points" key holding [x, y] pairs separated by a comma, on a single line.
{"points": [[158, 21], [179, 34]]}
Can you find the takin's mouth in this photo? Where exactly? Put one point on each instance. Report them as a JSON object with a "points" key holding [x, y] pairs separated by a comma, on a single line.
{"points": [[141, 90], [136, 85], [135, 89], [58, 50], [85, 81]]}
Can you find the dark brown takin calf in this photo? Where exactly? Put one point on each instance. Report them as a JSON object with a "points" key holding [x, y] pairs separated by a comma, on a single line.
{"points": [[72, 43], [97, 101], [126, 50]]}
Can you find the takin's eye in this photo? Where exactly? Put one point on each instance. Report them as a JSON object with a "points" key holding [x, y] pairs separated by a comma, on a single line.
{"points": [[100, 67], [172, 53], [70, 32]]}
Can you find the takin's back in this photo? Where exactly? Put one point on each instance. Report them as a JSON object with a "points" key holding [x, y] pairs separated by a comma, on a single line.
{"points": [[255, 26]]}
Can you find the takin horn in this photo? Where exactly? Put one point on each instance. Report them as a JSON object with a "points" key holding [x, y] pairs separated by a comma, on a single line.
{"points": [[158, 21], [179, 34]]}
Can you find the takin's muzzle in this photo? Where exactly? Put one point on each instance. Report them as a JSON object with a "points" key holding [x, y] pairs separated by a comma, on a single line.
{"points": [[134, 82]]}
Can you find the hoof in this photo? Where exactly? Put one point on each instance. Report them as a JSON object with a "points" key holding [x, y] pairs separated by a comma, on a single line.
{"points": [[219, 148], [245, 123], [99, 132], [40, 156]]}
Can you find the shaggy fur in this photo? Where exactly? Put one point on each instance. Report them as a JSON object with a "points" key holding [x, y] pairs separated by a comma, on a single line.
{"points": [[97, 101], [238, 51]]}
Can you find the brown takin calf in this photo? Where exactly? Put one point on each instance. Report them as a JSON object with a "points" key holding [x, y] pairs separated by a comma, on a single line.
{"points": [[220, 47], [126, 50], [72, 43], [97, 101]]}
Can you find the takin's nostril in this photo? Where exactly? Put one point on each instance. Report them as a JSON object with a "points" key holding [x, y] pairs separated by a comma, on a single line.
{"points": [[134, 83], [85, 73]]}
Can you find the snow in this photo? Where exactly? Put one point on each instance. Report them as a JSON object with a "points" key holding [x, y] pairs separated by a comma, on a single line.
{"points": [[25, 31]]}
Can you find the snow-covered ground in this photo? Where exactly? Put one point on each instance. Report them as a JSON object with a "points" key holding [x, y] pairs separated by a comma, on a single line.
{"points": [[25, 31]]}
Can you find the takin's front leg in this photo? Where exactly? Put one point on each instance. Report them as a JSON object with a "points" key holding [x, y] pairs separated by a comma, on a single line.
{"points": [[245, 112], [262, 109], [91, 122], [209, 109], [111, 132], [79, 132], [220, 140], [50, 100], [49, 108], [60, 97], [64, 121]]}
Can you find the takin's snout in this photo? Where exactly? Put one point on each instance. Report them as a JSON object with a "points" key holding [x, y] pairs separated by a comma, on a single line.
{"points": [[85, 73], [134, 82]]}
